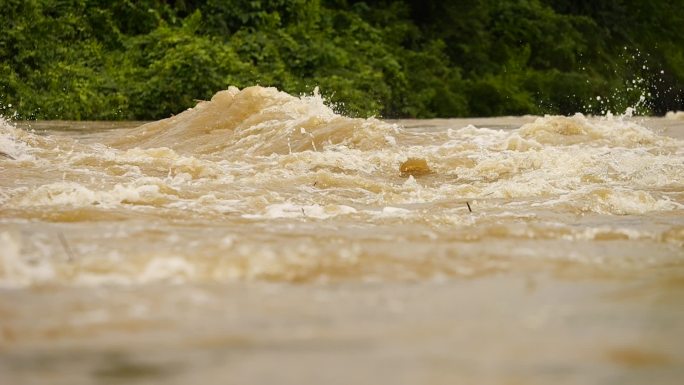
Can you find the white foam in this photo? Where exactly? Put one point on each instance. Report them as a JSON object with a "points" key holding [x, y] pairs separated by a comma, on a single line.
{"points": [[675, 115], [289, 210], [390, 211], [623, 202], [76, 194], [11, 145], [17, 269], [168, 269]]}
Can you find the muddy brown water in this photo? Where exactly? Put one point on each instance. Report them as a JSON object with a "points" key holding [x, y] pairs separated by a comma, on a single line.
{"points": [[263, 238]]}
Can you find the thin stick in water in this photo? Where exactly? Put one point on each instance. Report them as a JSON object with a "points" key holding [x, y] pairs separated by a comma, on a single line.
{"points": [[469, 209], [65, 245]]}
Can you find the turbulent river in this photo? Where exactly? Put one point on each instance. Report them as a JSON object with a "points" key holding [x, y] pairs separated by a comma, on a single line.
{"points": [[262, 238]]}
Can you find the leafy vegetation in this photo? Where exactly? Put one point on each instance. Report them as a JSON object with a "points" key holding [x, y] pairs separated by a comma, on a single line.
{"points": [[148, 59]]}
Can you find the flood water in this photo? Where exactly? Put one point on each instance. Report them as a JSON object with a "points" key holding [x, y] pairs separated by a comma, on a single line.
{"points": [[263, 238]]}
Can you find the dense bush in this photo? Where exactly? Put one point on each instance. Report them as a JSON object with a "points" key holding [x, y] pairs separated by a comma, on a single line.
{"points": [[122, 59]]}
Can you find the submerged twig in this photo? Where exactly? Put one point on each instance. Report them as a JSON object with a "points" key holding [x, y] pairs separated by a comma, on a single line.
{"points": [[66, 247], [314, 184], [469, 209], [6, 155], [303, 213]]}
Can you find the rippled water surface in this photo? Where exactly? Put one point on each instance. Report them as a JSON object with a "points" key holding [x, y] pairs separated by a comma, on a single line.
{"points": [[263, 238]]}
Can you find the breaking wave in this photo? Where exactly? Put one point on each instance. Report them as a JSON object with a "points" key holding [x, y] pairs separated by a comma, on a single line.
{"points": [[259, 121]]}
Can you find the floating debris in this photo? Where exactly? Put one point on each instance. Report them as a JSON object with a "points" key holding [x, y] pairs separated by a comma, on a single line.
{"points": [[414, 167], [469, 209], [6, 155]]}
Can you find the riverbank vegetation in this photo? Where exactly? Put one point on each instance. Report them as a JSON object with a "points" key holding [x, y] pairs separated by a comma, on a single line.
{"points": [[148, 59]]}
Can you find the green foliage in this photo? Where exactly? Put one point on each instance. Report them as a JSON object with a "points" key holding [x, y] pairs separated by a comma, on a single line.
{"points": [[169, 68], [148, 59], [50, 67]]}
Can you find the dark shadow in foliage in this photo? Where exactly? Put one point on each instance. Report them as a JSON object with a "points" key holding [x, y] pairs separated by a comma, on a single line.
{"points": [[148, 59]]}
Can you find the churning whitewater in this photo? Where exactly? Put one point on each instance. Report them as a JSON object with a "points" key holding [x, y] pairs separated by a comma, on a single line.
{"points": [[259, 184]]}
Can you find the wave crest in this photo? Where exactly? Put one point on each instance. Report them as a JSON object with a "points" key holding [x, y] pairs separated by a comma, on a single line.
{"points": [[259, 121]]}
